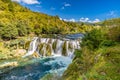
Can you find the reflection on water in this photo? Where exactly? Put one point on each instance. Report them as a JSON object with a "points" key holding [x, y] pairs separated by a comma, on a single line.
{"points": [[38, 69], [74, 36]]}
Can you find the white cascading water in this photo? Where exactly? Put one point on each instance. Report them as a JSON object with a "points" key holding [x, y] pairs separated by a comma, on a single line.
{"points": [[68, 45], [32, 47], [58, 50]]}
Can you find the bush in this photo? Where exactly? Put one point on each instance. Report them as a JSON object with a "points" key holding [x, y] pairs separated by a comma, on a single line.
{"points": [[22, 29], [37, 29], [11, 7], [107, 43], [114, 33], [9, 32], [93, 39]]}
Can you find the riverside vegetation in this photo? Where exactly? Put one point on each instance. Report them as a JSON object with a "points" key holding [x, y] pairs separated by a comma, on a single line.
{"points": [[18, 23], [98, 59]]}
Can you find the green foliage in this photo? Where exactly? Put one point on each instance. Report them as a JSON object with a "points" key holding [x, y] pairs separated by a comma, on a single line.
{"points": [[22, 29], [48, 50], [37, 29], [6, 1], [78, 54], [9, 32], [72, 72], [33, 22], [99, 58], [52, 76], [27, 44], [114, 33], [107, 43], [64, 49], [54, 45], [40, 47], [93, 39], [11, 7]]}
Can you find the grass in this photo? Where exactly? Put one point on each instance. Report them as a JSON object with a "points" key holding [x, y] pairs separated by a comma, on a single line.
{"points": [[102, 64]]}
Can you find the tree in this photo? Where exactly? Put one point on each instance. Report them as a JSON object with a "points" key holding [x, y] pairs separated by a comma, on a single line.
{"points": [[93, 39], [37, 29], [11, 7], [22, 29], [6, 1], [1, 26], [9, 32]]}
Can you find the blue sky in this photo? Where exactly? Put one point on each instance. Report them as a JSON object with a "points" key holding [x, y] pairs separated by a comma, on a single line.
{"points": [[76, 10]]}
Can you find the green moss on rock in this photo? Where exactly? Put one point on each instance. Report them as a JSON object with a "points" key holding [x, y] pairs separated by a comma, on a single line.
{"points": [[48, 50], [54, 45], [27, 44], [64, 49], [40, 47]]}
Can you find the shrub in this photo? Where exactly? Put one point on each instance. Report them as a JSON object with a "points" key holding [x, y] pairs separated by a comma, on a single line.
{"points": [[107, 43], [9, 32], [93, 39]]}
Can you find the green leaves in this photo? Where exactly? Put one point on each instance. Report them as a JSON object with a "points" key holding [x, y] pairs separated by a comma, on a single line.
{"points": [[22, 28], [93, 39], [11, 7], [9, 32]]}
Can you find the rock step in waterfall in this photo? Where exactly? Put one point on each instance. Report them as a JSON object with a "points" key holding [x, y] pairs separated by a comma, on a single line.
{"points": [[52, 47]]}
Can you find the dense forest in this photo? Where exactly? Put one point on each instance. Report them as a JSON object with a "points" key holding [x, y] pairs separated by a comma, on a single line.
{"points": [[98, 58], [20, 21]]}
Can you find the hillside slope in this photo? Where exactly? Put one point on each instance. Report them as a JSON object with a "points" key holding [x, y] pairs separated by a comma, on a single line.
{"points": [[13, 14], [99, 57]]}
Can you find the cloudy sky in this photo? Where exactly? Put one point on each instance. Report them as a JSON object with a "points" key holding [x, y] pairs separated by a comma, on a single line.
{"points": [[76, 10]]}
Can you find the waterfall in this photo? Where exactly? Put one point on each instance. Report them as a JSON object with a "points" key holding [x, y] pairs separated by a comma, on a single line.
{"points": [[33, 47], [53, 47]]}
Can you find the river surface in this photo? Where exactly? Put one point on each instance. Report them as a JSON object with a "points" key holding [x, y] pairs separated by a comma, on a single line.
{"points": [[38, 69], [41, 66]]}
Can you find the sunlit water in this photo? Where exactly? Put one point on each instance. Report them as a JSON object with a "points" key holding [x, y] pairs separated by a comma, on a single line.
{"points": [[41, 67], [38, 69]]}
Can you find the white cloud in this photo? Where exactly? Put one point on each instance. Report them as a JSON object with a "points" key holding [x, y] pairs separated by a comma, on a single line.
{"points": [[69, 20], [52, 8], [65, 20], [17, 0], [60, 18], [67, 4], [28, 1], [84, 19], [72, 20], [112, 14], [96, 21], [88, 20]]}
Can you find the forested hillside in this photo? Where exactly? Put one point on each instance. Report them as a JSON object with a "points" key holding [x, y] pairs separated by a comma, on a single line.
{"points": [[99, 57], [16, 20]]}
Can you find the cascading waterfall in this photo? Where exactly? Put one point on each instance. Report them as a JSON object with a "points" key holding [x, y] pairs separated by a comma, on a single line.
{"points": [[33, 47], [36, 69], [53, 47]]}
